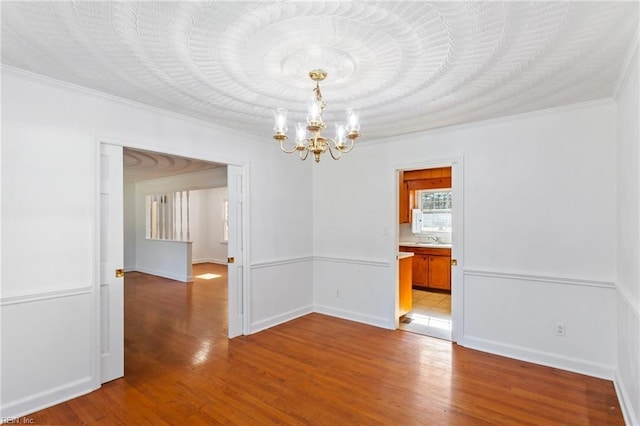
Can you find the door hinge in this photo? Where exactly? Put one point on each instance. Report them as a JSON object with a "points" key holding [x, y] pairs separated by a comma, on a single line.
{"points": [[231, 260], [119, 273], [454, 262]]}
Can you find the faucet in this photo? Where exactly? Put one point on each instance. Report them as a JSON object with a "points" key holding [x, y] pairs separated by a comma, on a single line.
{"points": [[434, 238]]}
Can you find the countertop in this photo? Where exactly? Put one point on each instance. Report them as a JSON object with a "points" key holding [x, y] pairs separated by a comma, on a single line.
{"points": [[427, 245], [404, 255]]}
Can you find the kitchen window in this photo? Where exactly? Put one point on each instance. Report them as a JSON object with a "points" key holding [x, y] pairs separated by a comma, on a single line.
{"points": [[436, 209]]}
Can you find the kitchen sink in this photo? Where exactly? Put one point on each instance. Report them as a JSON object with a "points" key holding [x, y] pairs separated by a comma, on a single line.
{"points": [[429, 244]]}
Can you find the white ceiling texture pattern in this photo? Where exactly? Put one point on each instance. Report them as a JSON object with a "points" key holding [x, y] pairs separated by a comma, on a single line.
{"points": [[142, 165], [407, 66]]}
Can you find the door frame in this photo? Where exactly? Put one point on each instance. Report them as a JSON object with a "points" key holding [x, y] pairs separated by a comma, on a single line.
{"points": [[457, 240], [245, 237]]}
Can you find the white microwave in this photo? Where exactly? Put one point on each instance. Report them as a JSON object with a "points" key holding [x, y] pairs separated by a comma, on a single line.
{"points": [[416, 221]]}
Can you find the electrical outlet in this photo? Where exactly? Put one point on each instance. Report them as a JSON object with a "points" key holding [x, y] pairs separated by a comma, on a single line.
{"points": [[561, 329]]}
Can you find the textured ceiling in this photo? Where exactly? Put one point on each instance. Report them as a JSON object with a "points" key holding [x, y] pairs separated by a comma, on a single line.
{"points": [[144, 165], [407, 66]]}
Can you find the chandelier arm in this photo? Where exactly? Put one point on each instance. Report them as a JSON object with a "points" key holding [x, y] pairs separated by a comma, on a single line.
{"points": [[304, 154], [286, 150], [345, 150], [334, 156]]}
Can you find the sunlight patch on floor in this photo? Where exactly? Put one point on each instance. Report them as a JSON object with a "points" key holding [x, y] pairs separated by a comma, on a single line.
{"points": [[431, 321], [208, 276]]}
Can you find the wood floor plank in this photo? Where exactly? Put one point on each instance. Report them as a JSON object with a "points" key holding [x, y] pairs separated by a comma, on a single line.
{"points": [[180, 368]]}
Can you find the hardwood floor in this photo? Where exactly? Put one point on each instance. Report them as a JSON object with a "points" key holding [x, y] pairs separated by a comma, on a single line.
{"points": [[181, 369]]}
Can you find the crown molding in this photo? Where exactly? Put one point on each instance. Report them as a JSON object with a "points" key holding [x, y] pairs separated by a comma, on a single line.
{"points": [[491, 121], [630, 58], [52, 82]]}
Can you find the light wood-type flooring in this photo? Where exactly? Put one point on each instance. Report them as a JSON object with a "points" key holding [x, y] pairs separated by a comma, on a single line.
{"points": [[181, 369], [430, 314]]}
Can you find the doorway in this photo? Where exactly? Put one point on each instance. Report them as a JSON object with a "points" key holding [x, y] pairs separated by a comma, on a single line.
{"points": [[428, 241], [111, 301]]}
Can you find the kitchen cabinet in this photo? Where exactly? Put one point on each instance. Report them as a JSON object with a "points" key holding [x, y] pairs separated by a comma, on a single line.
{"points": [[431, 268], [440, 272], [405, 203], [413, 180], [405, 274]]}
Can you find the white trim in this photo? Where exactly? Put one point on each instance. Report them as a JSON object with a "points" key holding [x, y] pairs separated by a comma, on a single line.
{"points": [[520, 276], [625, 296], [539, 357], [482, 123], [627, 65], [281, 262], [355, 316], [209, 260], [50, 295], [48, 398], [457, 246], [169, 275], [353, 261], [630, 417], [128, 102], [95, 344], [279, 319]]}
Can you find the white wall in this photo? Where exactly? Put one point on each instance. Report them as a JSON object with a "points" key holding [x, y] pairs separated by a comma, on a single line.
{"points": [[539, 233], [628, 243], [201, 213], [207, 220], [50, 174]]}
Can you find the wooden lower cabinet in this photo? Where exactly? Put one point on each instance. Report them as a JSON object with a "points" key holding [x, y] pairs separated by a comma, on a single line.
{"points": [[420, 270], [405, 300], [431, 267], [440, 272]]}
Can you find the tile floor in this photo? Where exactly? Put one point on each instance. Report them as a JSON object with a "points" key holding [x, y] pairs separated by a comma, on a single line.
{"points": [[431, 314]]}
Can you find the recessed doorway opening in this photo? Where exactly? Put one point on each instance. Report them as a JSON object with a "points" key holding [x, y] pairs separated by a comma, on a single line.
{"points": [[425, 243]]}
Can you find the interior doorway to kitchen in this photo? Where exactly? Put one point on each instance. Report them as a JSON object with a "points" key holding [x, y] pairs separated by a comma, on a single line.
{"points": [[427, 249]]}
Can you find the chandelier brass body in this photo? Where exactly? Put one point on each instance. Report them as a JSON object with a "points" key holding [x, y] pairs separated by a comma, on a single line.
{"points": [[316, 143]]}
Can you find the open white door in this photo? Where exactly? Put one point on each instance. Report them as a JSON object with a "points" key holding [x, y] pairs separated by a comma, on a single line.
{"points": [[235, 248], [111, 261]]}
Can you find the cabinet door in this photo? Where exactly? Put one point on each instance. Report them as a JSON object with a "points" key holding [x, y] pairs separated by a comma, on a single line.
{"points": [[420, 270], [440, 272], [404, 292], [404, 208]]}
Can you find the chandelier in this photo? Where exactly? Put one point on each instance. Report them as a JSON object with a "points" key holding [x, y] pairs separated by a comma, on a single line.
{"points": [[346, 133]]}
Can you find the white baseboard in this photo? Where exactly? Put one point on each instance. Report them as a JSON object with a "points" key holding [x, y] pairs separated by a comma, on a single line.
{"points": [[630, 417], [164, 274], [539, 357], [279, 319], [40, 401], [209, 260], [355, 316]]}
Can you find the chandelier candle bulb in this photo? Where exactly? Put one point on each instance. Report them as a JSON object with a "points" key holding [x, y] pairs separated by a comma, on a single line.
{"points": [[352, 122], [314, 118], [316, 143], [301, 134], [280, 127], [341, 134]]}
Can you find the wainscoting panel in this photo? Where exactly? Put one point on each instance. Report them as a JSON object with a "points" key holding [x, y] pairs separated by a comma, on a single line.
{"points": [[517, 315], [45, 369], [280, 290], [628, 373], [355, 289]]}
